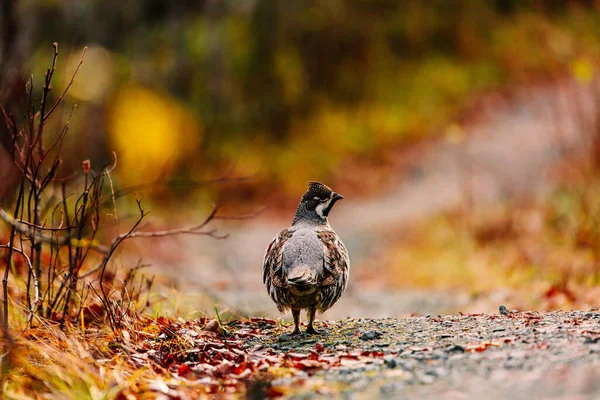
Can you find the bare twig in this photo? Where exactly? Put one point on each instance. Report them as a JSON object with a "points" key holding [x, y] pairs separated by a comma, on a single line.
{"points": [[22, 226], [195, 230], [45, 90], [113, 246], [71, 82], [37, 298]]}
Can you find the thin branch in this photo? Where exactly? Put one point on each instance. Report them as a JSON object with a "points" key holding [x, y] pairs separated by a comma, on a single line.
{"points": [[196, 230], [182, 231], [37, 227], [23, 227], [113, 246], [45, 90], [36, 300], [71, 82]]}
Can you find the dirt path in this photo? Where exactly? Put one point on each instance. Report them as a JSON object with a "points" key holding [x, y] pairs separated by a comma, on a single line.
{"points": [[507, 153], [519, 355]]}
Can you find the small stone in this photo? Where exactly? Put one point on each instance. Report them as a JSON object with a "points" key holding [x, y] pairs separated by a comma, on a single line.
{"points": [[503, 310], [370, 335], [390, 363], [499, 330], [589, 315], [213, 326], [589, 340], [456, 349], [284, 337]]}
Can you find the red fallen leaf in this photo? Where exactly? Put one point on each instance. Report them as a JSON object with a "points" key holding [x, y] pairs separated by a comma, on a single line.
{"points": [[121, 396], [184, 370], [313, 356], [297, 356], [244, 374], [163, 321], [275, 392], [319, 347], [168, 360], [242, 358], [272, 359], [307, 364], [372, 353], [211, 345], [225, 368], [92, 313], [239, 368], [508, 339], [413, 348], [480, 348], [212, 389], [483, 346]]}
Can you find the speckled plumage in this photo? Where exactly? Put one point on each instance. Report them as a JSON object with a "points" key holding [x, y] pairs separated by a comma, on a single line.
{"points": [[306, 266]]}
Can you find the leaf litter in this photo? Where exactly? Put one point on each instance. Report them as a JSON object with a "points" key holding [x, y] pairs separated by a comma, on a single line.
{"points": [[179, 359]]}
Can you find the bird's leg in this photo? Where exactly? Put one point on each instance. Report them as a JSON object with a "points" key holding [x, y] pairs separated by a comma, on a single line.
{"points": [[296, 315], [311, 319]]}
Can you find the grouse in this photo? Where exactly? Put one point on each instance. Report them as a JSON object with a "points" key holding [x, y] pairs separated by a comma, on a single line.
{"points": [[306, 266]]}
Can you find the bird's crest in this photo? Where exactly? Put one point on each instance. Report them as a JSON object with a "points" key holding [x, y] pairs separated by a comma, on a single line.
{"points": [[318, 189]]}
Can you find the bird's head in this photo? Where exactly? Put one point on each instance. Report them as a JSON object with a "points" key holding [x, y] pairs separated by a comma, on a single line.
{"points": [[316, 203]]}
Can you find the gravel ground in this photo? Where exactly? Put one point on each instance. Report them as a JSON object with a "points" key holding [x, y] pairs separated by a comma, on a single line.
{"points": [[517, 355]]}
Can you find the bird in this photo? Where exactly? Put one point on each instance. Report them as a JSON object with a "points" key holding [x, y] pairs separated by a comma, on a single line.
{"points": [[306, 266]]}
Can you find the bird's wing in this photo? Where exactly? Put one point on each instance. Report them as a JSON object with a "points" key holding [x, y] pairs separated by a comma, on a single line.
{"points": [[274, 260], [335, 261]]}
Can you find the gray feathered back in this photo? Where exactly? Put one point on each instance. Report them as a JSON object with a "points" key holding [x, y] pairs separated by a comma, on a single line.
{"points": [[303, 249]]}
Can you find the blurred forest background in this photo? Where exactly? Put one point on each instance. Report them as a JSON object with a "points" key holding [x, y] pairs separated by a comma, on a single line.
{"points": [[371, 97]]}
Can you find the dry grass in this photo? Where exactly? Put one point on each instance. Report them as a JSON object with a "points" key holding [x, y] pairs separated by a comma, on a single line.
{"points": [[543, 255], [69, 313]]}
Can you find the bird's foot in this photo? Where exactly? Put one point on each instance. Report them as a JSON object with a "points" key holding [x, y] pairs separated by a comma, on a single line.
{"points": [[296, 332], [312, 331]]}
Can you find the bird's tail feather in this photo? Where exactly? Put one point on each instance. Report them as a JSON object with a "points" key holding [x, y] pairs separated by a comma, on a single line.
{"points": [[302, 275]]}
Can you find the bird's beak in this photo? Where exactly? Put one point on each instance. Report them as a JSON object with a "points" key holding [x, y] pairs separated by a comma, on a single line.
{"points": [[337, 196]]}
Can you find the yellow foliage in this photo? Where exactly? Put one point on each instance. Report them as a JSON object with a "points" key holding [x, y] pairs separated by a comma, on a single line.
{"points": [[150, 133], [583, 71]]}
